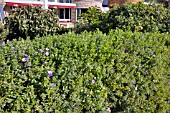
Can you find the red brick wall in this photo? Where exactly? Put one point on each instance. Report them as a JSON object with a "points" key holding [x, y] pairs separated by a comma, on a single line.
{"points": [[73, 15], [87, 3]]}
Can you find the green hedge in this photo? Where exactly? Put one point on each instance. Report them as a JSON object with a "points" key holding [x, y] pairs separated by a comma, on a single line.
{"points": [[90, 20], [1, 27], [140, 17], [132, 17], [32, 21], [91, 72]]}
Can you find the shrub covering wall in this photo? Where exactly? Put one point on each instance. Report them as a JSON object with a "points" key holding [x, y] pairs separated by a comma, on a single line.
{"points": [[32, 21], [133, 17], [91, 72], [90, 20]]}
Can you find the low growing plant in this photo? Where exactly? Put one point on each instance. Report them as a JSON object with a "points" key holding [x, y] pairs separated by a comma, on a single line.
{"points": [[88, 72]]}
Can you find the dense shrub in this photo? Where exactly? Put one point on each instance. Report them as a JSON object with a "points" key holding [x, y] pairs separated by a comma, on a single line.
{"points": [[90, 20], [32, 21], [2, 33], [90, 72], [140, 17], [132, 17], [1, 27]]}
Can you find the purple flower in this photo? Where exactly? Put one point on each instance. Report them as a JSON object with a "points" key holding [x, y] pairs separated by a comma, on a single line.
{"points": [[25, 59], [3, 43], [93, 81], [45, 62], [12, 48], [142, 36], [54, 85], [29, 64], [50, 73], [152, 52], [124, 49], [25, 55], [41, 50], [133, 81], [154, 39], [47, 53], [26, 47], [147, 71]]}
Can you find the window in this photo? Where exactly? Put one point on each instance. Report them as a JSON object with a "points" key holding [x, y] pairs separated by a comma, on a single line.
{"points": [[61, 13], [105, 3], [51, 0], [65, 1], [61, 1], [65, 13], [68, 1], [13, 8], [80, 11]]}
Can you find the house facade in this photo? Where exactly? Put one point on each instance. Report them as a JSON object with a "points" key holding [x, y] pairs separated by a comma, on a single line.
{"points": [[68, 10]]}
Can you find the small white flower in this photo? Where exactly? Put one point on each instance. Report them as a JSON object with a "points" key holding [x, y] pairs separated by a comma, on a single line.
{"points": [[47, 53], [25, 59], [108, 109], [12, 48]]}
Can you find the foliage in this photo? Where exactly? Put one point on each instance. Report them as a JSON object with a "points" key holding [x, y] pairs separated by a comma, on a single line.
{"points": [[32, 21], [1, 27], [89, 72], [2, 32], [140, 17], [90, 20], [133, 17]]}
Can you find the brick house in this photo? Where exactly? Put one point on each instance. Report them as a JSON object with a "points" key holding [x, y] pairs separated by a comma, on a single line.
{"points": [[68, 10], [83, 5]]}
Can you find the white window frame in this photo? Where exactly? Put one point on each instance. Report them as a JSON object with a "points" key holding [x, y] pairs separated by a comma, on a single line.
{"points": [[79, 12], [69, 19]]}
